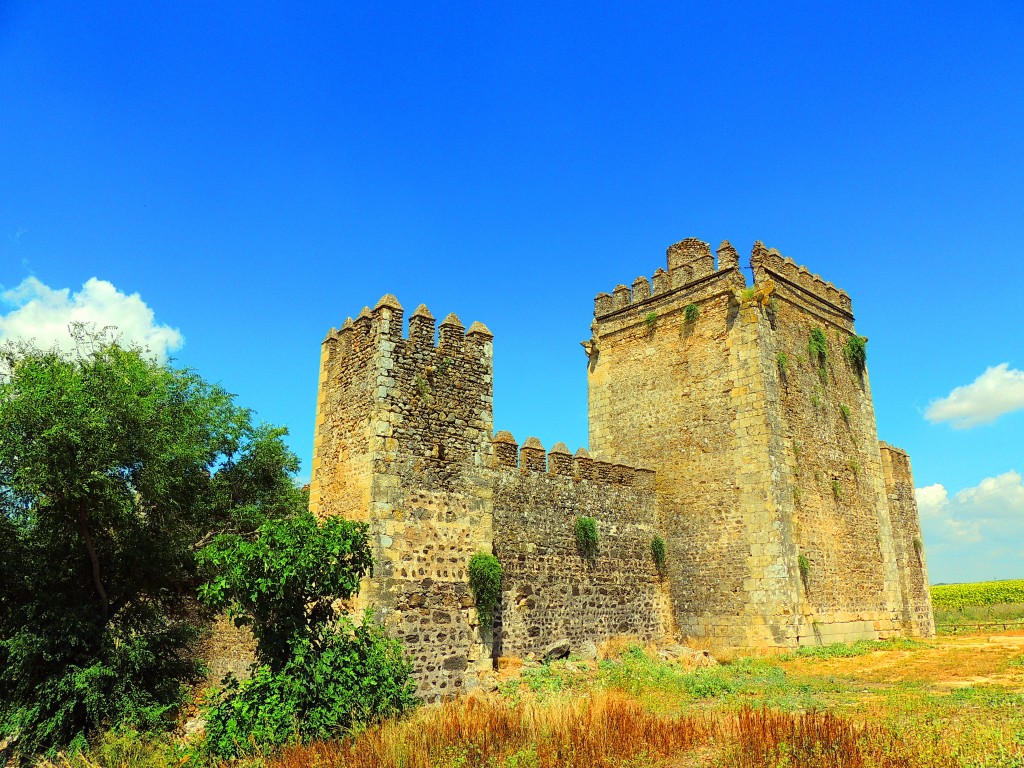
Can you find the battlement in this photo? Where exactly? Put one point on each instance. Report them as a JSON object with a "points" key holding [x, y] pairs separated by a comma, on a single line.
{"points": [[384, 322], [507, 454], [689, 262], [768, 263]]}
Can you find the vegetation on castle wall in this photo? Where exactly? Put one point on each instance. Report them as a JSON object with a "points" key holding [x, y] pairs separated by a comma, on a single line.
{"points": [[586, 538], [856, 353], [485, 575], [113, 468], [782, 360], [658, 555], [817, 351], [691, 312], [804, 566]]}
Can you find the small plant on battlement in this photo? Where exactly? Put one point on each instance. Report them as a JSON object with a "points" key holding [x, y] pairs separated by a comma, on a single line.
{"points": [[423, 387], [651, 320], [658, 555], [485, 583], [918, 548], [805, 570], [844, 411], [782, 360], [837, 490], [444, 365], [586, 538], [748, 294], [817, 351], [856, 353], [691, 312]]}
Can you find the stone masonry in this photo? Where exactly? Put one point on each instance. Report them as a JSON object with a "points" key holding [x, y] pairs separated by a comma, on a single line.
{"points": [[713, 424]]}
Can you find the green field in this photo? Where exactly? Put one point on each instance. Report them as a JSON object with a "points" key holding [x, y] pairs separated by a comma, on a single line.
{"points": [[984, 602]]}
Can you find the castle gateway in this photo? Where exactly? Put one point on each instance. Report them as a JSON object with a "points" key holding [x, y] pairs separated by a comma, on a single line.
{"points": [[734, 423]]}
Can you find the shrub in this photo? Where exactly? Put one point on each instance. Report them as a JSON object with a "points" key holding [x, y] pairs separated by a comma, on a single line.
{"points": [[658, 555], [837, 490], [651, 319], [844, 411], [485, 582], [691, 312], [783, 362], [318, 674], [817, 351], [856, 353], [586, 538], [349, 675], [805, 568]]}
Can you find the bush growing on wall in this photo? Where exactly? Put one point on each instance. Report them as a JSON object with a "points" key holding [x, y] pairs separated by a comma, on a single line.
{"points": [[658, 555], [586, 538], [485, 582]]}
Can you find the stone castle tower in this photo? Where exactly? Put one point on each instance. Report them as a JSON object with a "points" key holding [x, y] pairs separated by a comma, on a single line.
{"points": [[734, 422]]}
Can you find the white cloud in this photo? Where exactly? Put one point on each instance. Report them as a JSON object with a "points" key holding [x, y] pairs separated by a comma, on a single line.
{"points": [[977, 533], [997, 391], [44, 314]]}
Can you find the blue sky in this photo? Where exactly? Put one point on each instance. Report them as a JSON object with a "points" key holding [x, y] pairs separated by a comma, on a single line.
{"points": [[256, 173]]}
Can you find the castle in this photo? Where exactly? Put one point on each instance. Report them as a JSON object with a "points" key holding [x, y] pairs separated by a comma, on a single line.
{"points": [[734, 423]]}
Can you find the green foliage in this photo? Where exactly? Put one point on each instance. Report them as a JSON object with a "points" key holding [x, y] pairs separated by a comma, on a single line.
{"points": [[658, 555], [485, 582], [317, 674], [344, 675], [856, 353], [815, 400], [586, 538], [797, 493], [983, 593], [782, 360], [113, 468], [691, 312], [747, 294], [855, 467], [805, 568], [651, 319], [817, 351], [282, 582], [849, 650], [837, 490], [844, 411]]}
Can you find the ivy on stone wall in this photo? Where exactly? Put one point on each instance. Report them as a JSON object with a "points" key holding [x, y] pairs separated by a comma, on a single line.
{"points": [[856, 353]]}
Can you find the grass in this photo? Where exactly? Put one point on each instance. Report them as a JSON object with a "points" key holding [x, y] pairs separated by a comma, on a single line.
{"points": [[947, 703]]}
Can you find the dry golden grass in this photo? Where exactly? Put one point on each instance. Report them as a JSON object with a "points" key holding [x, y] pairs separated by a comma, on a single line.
{"points": [[608, 730]]}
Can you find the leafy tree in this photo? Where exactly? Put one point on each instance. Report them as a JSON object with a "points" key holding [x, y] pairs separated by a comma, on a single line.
{"points": [[114, 469], [317, 673]]}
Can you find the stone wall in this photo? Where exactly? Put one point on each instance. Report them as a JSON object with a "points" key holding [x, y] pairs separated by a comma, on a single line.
{"points": [[906, 526], [550, 592]]}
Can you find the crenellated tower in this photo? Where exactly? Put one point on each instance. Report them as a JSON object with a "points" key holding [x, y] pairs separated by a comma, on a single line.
{"points": [[753, 408], [402, 441]]}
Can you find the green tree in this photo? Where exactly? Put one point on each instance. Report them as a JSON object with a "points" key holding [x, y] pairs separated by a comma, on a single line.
{"points": [[317, 673], [114, 469]]}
